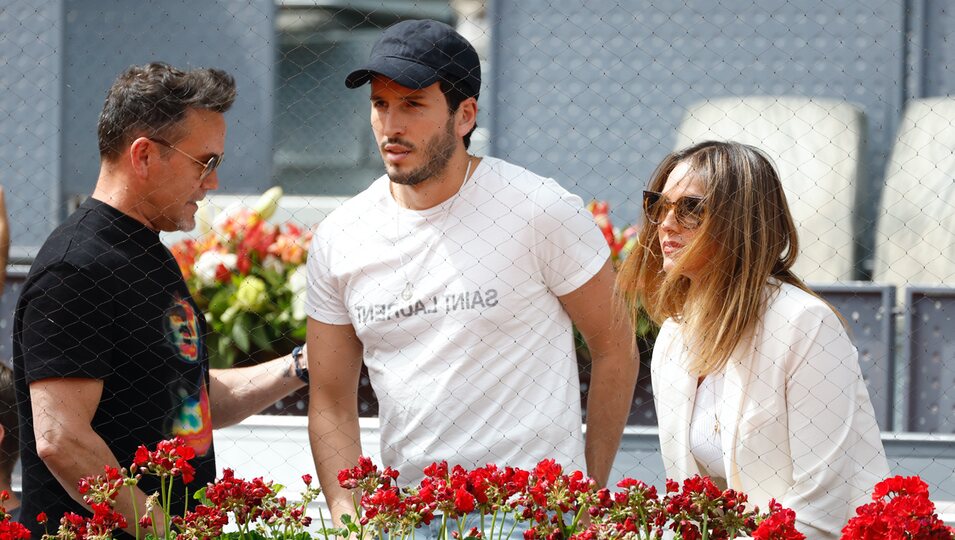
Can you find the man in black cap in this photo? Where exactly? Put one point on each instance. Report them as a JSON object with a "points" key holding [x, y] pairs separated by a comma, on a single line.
{"points": [[456, 279]]}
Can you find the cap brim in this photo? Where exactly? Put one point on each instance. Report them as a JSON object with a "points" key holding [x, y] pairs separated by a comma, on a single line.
{"points": [[404, 72]]}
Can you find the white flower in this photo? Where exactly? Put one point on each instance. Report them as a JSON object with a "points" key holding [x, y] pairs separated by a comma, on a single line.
{"points": [[297, 284], [273, 263], [207, 264], [268, 202], [203, 218]]}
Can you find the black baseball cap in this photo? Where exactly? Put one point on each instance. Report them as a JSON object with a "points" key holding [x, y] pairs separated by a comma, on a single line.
{"points": [[419, 53]]}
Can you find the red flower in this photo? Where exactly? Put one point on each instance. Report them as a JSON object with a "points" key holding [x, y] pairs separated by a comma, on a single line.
{"points": [[307, 478], [464, 502], [202, 523], [171, 458], [900, 485], [11, 530], [901, 509], [779, 525], [242, 498], [223, 275], [102, 488], [366, 476], [41, 518]]}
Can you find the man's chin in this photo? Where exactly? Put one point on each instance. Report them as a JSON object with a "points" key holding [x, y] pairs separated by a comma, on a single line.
{"points": [[183, 225], [412, 178]]}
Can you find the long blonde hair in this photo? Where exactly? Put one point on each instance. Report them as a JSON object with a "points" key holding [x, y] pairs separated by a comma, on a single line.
{"points": [[746, 237]]}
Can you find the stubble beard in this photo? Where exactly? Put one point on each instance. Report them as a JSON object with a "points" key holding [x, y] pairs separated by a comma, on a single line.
{"points": [[439, 151]]}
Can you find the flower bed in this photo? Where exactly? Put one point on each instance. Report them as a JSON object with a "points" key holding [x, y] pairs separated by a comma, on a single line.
{"points": [[489, 502]]}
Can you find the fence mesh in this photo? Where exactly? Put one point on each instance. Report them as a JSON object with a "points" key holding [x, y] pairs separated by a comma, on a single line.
{"points": [[479, 362]]}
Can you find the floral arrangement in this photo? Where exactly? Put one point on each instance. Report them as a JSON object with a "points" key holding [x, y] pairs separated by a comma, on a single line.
{"points": [[620, 242], [255, 507], [248, 276], [900, 510], [550, 504], [486, 503]]}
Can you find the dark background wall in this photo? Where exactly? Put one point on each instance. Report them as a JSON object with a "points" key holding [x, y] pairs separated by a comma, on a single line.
{"points": [[593, 94], [59, 58]]}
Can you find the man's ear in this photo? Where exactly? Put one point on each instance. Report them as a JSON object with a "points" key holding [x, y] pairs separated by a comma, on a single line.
{"points": [[467, 116], [140, 153]]}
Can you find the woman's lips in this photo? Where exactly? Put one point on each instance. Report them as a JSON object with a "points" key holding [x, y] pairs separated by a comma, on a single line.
{"points": [[671, 247]]}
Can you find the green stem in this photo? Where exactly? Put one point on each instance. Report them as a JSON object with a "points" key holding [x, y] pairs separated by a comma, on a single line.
{"points": [[165, 490], [132, 495], [321, 519], [577, 516], [513, 527]]}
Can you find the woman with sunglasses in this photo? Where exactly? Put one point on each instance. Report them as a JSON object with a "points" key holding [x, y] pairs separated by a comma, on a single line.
{"points": [[755, 380]]}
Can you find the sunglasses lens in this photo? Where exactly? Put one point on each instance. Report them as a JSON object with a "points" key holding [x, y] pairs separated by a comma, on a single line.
{"points": [[211, 165], [652, 206], [689, 212]]}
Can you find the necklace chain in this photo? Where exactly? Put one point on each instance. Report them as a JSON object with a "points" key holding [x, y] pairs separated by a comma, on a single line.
{"points": [[408, 290]]}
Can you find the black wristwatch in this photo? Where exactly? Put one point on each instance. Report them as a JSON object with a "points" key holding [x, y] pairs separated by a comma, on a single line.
{"points": [[300, 371]]}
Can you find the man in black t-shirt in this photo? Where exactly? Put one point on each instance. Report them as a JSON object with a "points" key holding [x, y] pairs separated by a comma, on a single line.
{"points": [[109, 348]]}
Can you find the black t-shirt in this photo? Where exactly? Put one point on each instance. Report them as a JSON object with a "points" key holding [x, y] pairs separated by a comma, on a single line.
{"points": [[106, 300]]}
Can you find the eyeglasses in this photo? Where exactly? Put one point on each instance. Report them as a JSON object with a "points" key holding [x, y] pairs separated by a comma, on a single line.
{"points": [[688, 210], [207, 167]]}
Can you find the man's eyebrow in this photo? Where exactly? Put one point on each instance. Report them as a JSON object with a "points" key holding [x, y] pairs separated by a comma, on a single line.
{"points": [[417, 94]]}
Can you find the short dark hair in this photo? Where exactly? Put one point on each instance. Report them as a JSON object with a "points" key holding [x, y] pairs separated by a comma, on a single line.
{"points": [[455, 94], [152, 99], [10, 447]]}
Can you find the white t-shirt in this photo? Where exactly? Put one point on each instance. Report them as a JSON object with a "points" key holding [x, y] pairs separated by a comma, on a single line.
{"points": [[478, 366]]}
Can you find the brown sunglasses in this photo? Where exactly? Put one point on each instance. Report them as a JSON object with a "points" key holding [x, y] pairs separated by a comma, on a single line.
{"points": [[688, 210]]}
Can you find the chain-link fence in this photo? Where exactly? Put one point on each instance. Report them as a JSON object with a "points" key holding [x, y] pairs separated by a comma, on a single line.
{"points": [[478, 361]]}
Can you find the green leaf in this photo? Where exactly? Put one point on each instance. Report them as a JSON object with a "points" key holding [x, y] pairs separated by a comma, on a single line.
{"points": [[200, 496], [220, 301], [260, 337], [240, 332]]}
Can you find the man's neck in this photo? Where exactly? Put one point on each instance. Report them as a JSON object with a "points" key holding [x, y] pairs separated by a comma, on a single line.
{"points": [[436, 190], [112, 189]]}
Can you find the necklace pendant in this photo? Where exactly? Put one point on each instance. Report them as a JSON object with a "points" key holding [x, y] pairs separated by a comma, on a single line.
{"points": [[406, 293]]}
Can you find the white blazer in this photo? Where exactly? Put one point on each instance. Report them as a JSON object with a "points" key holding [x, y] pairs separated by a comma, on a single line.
{"points": [[797, 422]]}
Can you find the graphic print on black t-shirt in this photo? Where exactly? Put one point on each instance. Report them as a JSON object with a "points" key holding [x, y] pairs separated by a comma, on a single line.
{"points": [[192, 419]]}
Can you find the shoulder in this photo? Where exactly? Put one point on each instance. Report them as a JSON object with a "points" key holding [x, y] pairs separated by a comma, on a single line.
{"points": [[355, 211], [794, 305], [670, 332], [77, 245], [499, 175]]}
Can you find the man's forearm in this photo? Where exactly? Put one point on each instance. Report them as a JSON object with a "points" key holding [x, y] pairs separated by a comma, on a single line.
{"points": [[238, 393], [612, 382], [335, 439], [86, 455]]}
